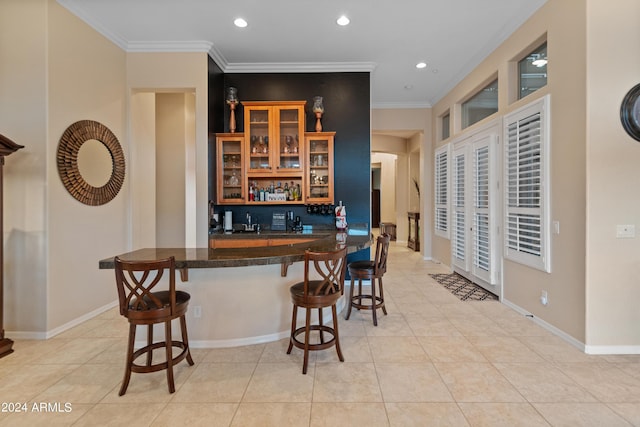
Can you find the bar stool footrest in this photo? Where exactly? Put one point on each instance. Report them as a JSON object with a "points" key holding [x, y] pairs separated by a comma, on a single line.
{"points": [[317, 346], [157, 366], [359, 306]]}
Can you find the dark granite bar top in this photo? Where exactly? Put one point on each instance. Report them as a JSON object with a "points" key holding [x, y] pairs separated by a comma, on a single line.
{"points": [[328, 239]]}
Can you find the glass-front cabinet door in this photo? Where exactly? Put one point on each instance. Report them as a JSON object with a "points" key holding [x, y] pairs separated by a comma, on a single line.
{"points": [[230, 149], [319, 167], [290, 124], [274, 129], [258, 122]]}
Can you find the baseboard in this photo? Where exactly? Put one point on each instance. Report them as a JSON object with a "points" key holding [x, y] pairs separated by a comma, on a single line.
{"points": [[549, 327], [24, 335], [612, 349]]}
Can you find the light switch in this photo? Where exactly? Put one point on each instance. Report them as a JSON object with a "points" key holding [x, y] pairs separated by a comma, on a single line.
{"points": [[556, 227], [625, 231]]}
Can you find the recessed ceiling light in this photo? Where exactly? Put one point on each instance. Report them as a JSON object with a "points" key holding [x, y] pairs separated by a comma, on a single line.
{"points": [[239, 22], [408, 87], [343, 20], [421, 65]]}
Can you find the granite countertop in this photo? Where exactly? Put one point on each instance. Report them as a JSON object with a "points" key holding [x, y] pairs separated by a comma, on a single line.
{"points": [[328, 239]]}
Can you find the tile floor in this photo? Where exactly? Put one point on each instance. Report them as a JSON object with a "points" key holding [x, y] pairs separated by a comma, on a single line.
{"points": [[434, 360]]}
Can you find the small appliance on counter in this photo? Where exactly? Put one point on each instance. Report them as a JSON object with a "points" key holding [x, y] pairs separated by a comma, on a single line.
{"points": [[228, 222], [297, 225], [341, 216]]}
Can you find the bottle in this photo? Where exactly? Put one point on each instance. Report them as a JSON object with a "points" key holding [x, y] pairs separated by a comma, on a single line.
{"points": [[262, 194], [286, 191]]}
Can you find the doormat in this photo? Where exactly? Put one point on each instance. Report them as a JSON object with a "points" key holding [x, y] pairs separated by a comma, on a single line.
{"points": [[463, 288]]}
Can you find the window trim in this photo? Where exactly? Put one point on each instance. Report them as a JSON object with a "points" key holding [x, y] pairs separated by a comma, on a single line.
{"points": [[541, 261], [440, 204]]}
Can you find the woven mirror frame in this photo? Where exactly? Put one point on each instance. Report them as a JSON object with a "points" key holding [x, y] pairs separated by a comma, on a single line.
{"points": [[67, 160]]}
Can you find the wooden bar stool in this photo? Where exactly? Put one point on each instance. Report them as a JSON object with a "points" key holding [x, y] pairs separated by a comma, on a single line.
{"points": [[318, 293], [370, 270], [135, 281]]}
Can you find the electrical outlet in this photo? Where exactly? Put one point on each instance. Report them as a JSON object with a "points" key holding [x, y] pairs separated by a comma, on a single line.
{"points": [[627, 231], [197, 311], [544, 298]]}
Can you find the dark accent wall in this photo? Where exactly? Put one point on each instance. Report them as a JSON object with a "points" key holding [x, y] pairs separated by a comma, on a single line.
{"points": [[347, 112]]}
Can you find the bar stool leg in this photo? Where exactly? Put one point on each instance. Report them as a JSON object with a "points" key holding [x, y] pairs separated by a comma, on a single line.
{"points": [[168, 347], [320, 323], [293, 328], [149, 344], [374, 302], [127, 372], [350, 302], [335, 332], [307, 329], [384, 309]]}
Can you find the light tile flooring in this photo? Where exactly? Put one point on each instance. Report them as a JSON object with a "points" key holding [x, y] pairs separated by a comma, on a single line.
{"points": [[434, 360]]}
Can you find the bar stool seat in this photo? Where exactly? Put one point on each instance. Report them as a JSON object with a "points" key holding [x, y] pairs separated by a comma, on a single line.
{"points": [[372, 270], [141, 306], [318, 294]]}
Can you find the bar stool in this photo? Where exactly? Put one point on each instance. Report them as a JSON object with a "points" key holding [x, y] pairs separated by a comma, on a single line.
{"points": [[318, 293], [135, 281], [370, 270]]}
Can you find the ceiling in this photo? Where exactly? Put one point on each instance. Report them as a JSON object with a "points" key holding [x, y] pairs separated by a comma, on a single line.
{"points": [[451, 36]]}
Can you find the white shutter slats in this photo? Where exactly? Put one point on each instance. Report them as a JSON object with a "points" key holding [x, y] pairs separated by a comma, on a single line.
{"points": [[441, 191], [459, 214], [526, 186]]}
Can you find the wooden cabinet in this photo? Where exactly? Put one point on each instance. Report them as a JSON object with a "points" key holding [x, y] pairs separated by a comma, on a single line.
{"points": [[274, 132], [231, 169], [319, 166], [413, 241], [274, 154]]}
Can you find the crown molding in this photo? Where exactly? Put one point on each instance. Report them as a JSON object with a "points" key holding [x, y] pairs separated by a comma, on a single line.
{"points": [[298, 67], [170, 46], [399, 105]]}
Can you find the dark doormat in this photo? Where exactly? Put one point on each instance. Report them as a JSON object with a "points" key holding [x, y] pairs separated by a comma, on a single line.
{"points": [[463, 288]]}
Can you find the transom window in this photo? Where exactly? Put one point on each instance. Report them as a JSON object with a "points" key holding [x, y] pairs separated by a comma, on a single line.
{"points": [[532, 71], [481, 105]]}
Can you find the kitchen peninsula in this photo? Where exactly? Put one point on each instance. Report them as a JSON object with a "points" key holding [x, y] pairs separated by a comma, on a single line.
{"points": [[242, 293]]}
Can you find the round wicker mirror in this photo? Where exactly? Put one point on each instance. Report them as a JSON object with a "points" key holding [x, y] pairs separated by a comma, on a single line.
{"points": [[67, 159]]}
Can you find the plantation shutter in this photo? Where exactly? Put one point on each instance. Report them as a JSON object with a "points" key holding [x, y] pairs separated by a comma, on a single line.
{"points": [[526, 223], [483, 242], [459, 209], [441, 191]]}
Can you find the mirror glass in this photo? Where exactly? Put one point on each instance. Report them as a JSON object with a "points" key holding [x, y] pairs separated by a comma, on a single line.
{"points": [[95, 163]]}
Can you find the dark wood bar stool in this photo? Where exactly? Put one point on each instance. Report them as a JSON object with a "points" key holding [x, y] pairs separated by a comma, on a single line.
{"points": [[370, 270], [142, 306], [318, 293]]}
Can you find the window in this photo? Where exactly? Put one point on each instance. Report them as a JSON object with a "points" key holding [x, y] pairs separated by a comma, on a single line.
{"points": [[481, 105], [527, 185], [446, 121], [532, 71], [442, 191]]}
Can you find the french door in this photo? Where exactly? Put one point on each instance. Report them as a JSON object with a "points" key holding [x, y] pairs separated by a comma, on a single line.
{"points": [[475, 242]]}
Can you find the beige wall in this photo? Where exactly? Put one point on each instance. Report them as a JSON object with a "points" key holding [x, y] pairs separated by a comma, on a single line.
{"points": [[176, 72], [388, 199], [593, 275], [63, 71], [53, 241], [420, 146], [613, 265], [23, 118], [564, 23]]}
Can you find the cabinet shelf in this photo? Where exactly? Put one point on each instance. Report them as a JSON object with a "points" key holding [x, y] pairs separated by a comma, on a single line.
{"points": [[293, 157]]}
